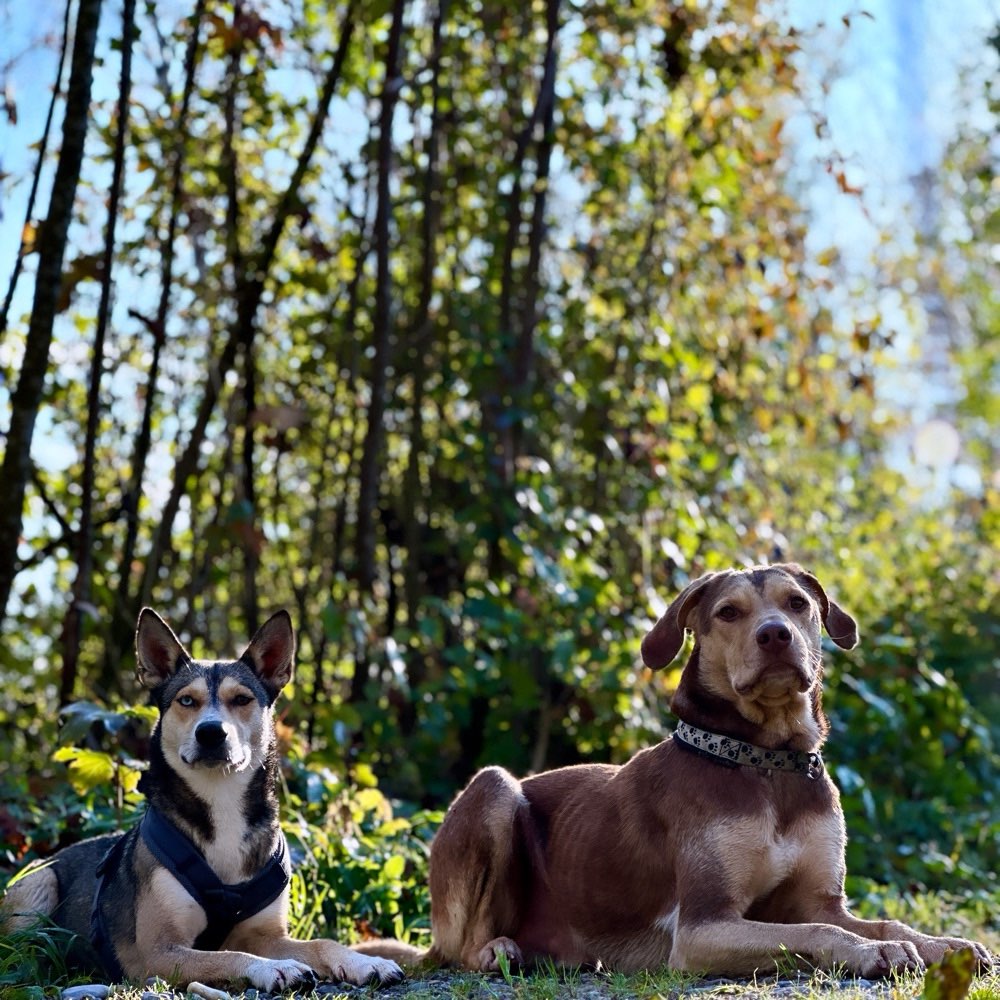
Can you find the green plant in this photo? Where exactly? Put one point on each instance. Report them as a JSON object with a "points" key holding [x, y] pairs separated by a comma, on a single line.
{"points": [[32, 956], [360, 865]]}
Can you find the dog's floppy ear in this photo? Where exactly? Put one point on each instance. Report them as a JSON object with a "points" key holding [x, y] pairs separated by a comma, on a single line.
{"points": [[158, 652], [840, 626], [271, 653], [666, 637]]}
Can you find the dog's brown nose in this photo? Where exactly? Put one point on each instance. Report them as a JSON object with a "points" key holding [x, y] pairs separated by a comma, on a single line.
{"points": [[210, 735], [774, 634]]}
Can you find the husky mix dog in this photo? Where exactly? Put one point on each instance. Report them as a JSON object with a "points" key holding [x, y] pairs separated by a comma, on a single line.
{"points": [[198, 891]]}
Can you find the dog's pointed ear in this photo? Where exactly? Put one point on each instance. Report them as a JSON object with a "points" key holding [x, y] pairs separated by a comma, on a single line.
{"points": [[666, 637], [158, 652], [840, 626], [271, 653]]}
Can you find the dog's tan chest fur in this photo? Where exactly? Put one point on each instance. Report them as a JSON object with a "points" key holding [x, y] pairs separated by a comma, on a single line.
{"points": [[756, 857]]}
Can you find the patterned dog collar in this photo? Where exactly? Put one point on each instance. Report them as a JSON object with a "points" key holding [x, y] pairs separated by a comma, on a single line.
{"points": [[736, 753]]}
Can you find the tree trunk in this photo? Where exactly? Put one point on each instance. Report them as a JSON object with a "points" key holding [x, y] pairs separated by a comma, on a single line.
{"points": [[73, 623], [52, 240], [423, 327], [502, 410], [368, 489], [43, 149]]}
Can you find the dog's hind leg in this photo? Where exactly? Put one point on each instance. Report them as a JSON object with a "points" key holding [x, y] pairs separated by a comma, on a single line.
{"points": [[35, 894], [480, 873]]}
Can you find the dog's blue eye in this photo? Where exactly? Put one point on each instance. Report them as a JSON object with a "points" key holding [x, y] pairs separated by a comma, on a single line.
{"points": [[186, 701]]}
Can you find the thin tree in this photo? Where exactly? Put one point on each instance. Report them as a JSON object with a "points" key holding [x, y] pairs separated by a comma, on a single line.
{"points": [[72, 625], [52, 240], [123, 623], [43, 151], [186, 466], [368, 488]]}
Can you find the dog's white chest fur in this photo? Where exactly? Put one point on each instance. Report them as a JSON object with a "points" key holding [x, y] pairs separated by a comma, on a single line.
{"points": [[226, 800], [756, 856]]}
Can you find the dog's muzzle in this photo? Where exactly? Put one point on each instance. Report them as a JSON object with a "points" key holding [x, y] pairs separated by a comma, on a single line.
{"points": [[212, 744], [777, 679]]}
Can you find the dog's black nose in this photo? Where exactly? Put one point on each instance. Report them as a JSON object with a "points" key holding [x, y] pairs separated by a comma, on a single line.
{"points": [[774, 634], [210, 735]]}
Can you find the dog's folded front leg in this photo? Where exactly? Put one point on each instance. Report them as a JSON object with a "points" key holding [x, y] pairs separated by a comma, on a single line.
{"points": [[167, 923], [736, 946]]}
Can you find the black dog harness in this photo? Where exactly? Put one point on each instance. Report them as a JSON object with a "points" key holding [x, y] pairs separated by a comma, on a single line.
{"points": [[225, 906]]}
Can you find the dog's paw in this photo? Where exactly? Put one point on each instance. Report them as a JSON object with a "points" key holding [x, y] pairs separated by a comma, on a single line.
{"points": [[384, 972], [933, 949], [880, 958], [487, 958], [275, 975], [362, 970]]}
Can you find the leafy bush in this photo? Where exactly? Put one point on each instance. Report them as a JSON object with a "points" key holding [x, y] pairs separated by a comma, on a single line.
{"points": [[916, 727], [360, 868]]}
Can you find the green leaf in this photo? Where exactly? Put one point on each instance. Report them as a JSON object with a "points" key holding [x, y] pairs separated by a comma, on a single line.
{"points": [[87, 768], [950, 978], [394, 866]]}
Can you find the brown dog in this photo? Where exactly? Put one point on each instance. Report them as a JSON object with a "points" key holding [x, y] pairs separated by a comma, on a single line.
{"points": [[721, 850]]}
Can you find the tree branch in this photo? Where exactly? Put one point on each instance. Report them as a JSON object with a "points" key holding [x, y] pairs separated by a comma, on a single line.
{"points": [[187, 465]]}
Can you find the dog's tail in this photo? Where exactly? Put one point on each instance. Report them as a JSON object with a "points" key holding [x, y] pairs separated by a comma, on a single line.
{"points": [[395, 951]]}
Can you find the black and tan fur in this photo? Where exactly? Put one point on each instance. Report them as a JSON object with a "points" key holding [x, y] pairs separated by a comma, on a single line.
{"points": [[213, 772], [674, 858]]}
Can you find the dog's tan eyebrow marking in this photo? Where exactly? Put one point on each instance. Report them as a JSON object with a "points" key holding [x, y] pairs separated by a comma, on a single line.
{"points": [[736, 592], [195, 687], [230, 687], [782, 588]]}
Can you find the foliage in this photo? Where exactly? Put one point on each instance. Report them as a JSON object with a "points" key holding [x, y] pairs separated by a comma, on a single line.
{"points": [[31, 957], [360, 867], [950, 978]]}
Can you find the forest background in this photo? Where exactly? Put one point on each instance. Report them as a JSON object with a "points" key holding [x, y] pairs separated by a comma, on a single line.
{"points": [[470, 332]]}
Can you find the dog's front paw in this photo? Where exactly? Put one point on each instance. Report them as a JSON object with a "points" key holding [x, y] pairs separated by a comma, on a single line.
{"points": [[933, 949], [362, 970], [880, 958], [275, 975], [487, 958], [383, 972]]}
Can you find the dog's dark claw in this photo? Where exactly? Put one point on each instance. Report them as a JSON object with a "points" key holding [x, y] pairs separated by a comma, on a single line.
{"points": [[386, 977]]}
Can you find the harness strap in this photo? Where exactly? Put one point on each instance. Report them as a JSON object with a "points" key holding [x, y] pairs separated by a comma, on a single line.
{"points": [[225, 905], [98, 925]]}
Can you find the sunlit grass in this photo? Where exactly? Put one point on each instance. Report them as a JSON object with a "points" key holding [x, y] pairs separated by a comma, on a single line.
{"points": [[33, 966]]}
